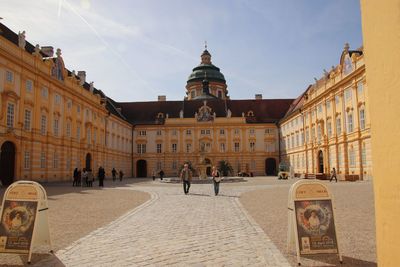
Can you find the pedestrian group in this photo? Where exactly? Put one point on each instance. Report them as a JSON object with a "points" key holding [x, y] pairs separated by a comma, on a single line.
{"points": [[86, 177]]}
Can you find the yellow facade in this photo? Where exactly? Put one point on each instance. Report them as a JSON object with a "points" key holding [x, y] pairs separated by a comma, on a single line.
{"points": [[182, 139], [52, 121], [381, 27], [328, 126]]}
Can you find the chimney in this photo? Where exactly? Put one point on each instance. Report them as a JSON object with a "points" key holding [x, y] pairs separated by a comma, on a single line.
{"points": [[82, 77], [48, 51], [162, 98], [258, 96]]}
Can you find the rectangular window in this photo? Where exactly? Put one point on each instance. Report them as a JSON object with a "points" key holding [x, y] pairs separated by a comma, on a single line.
{"points": [[43, 160], [360, 88], [78, 108], [88, 135], [363, 155], [307, 136], [302, 138], [159, 132], [68, 129], [297, 139], [57, 99], [141, 148], [328, 104], [27, 120], [347, 94], [142, 133], [312, 133], [350, 123], [174, 132], [222, 131], [270, 147], [174, 165], [352, 161], [236, 131], [320, 108], [337, 100], [27, 160], [174, 148], [188, 148], [95, 137], [188, 132], [55, 160], [338, 126], [29, 86], [44, 92], [329, 128], [205, 132], [10, 115], [222, 147], [9, 76], [78, 132], [362, 119], [251, 131], [252, 146], [159, 148], [55, 126], [268, 131], [237, 147], [319, 132], [43, 124]]}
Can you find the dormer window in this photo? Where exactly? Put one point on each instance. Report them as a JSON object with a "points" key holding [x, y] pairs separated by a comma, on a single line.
{"points": [[250, 113]]}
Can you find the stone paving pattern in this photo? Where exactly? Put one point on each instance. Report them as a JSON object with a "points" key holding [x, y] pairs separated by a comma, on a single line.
{"points": [[174, 229]]}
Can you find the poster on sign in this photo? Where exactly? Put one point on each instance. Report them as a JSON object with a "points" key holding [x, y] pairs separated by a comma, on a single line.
{"points": [[311, 220], [315, 227], [17, 223]]}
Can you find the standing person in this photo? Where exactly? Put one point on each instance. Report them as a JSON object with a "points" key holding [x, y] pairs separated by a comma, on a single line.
{"points": [[114, 174], [121, 174], [101, 174], [154, 175], [75, 182], [89, 178], [186, 178], [84, 177], [333, 175], [216, 179], [161, 174]]}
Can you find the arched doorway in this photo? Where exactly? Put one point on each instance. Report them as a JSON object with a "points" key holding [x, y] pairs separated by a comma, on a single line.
{"points": [[7, 163], [141, 168], [208, 164], [88, 164], [270, 166], [320, 162]]}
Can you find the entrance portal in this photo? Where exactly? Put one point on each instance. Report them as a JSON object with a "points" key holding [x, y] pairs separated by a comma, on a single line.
{"points": [[141, 168], [320, 162], [208, 164], [7, 163], [88, 165], [270, 166]]}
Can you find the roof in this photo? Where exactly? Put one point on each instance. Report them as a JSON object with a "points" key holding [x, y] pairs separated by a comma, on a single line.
{"points": [[264, 110]]}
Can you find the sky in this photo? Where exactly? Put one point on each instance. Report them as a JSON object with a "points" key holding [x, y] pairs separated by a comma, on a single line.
{"points": [[135, 50]]}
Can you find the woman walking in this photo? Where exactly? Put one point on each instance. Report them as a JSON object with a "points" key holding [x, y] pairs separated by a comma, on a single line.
{"points": [[216, 179]]}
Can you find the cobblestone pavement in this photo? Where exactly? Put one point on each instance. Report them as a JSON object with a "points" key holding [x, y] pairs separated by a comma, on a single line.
{"points": [[174, 229]]}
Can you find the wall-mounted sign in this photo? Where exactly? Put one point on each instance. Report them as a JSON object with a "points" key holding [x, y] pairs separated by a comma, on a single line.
{"points": [[311, 219], [24, 218]]}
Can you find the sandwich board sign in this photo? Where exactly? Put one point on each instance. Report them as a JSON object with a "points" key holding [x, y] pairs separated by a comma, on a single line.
{"points": [[311, 220], [24, 218]]}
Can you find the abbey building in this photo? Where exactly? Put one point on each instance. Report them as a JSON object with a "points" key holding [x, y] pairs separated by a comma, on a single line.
{"points": [[53, 121]]}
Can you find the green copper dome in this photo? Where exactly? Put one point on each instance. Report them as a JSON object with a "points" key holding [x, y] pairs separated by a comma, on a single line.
{"points": [[206, 68]]}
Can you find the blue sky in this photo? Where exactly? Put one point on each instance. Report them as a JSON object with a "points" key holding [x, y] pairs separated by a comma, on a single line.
{"points": [[136, 50]]}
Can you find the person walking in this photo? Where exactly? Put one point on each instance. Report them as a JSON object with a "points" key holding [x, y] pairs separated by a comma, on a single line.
{"points": [[114, 174], [333, 175], [101, 176], [186, 178], [121, 174], [216, 176], [161, 175], [75, 176]]}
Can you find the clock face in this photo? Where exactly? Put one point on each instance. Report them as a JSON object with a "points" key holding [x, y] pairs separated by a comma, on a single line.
{"points": [[348, 66]]}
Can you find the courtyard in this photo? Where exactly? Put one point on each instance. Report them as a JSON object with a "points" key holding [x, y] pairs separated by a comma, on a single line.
{"points": [[140, 222]]}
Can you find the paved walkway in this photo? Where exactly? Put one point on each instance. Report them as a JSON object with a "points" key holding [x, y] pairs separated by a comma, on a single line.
{"points": [[174, 229]]}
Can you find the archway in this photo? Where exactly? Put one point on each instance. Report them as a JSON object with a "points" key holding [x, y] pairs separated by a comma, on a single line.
{"points": [[270, 166], [208, 168], [7, 163], [320, 162], [141, 168], [88, 164]]}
